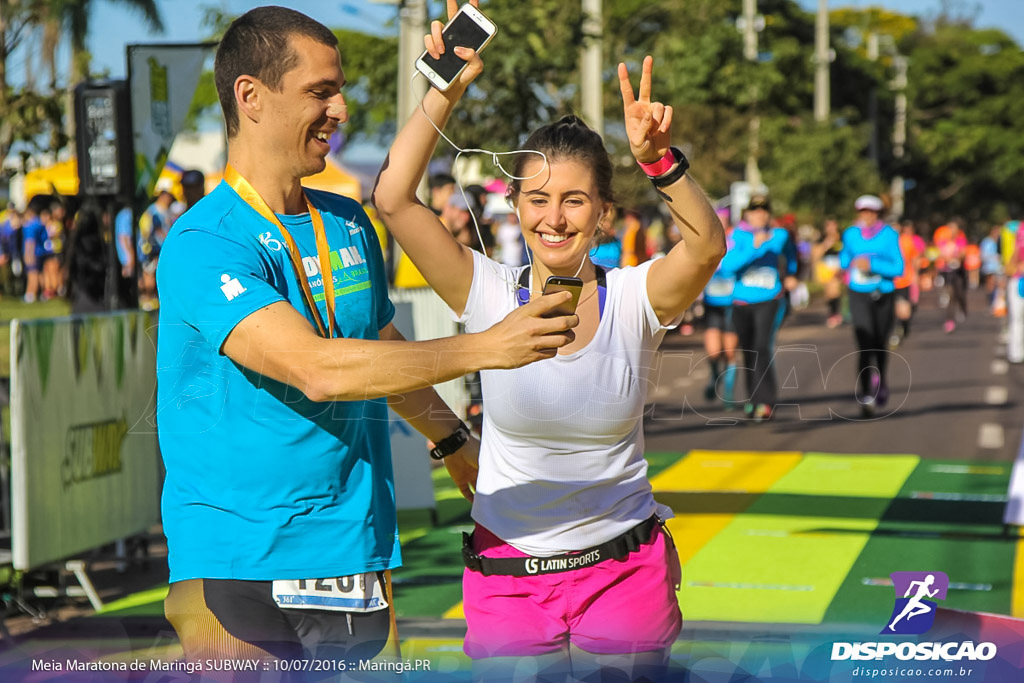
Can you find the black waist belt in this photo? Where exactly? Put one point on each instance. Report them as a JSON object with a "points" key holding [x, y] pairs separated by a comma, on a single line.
{"points": [[617, 548]]}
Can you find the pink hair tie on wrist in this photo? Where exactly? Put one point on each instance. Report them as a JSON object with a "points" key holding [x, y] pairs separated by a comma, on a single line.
{"points": [[659, 167]]}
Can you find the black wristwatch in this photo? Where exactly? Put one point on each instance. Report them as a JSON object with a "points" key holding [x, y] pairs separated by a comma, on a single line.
{"points": [[677, 171], [451, 443]]}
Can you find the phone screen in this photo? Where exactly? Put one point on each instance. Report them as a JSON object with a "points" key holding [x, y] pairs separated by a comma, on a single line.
{"points": [[462, 31]]}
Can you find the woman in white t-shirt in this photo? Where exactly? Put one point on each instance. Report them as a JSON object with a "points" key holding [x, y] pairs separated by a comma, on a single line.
{"points": [[569, 563]]}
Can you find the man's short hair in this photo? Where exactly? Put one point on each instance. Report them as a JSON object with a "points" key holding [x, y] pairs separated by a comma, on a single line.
{"points": [[256, 44], [440, 180], [193, 177]]}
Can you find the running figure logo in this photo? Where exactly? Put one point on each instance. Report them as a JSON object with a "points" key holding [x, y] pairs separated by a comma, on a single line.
{"points": [[913, 613]]}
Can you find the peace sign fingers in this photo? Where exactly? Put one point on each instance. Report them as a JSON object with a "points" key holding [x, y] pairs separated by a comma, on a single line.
{"points": [[648, 123]]}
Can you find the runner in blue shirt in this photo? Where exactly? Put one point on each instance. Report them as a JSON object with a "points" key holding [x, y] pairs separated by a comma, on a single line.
{"points": [[278, 503], [720, 340], [872, 257], [764, 263], [34, 236]]}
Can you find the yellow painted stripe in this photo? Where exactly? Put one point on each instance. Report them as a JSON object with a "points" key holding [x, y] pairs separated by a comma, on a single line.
{"points": [[735, 471], [709, 471], [693, 532], [1017, 600], [454, 613]]}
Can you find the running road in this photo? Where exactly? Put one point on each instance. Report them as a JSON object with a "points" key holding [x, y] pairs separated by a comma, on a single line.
{"points": [[953, 396]]}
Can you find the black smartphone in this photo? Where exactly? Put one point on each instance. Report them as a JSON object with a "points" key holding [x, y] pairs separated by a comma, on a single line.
{"points": [[574, 285]]}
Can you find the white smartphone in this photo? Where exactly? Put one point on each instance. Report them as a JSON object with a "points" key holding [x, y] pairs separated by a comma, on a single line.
{"points": [[468, 28]]}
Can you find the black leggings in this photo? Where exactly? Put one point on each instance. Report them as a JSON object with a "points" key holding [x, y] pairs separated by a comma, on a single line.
{"points": [[873, 316], [956, 282], [756, 325]]}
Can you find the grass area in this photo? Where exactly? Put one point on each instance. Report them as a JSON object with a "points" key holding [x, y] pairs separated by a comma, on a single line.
{"points": [[11, 309]]}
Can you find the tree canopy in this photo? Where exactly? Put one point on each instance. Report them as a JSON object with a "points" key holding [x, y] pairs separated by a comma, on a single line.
{"points": [[964, 153]]}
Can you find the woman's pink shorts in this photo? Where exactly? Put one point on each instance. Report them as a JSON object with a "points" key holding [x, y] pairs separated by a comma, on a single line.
{"points": [[613, 607]]}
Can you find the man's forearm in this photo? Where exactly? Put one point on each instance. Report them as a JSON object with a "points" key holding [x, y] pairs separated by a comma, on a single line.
{"points": [[426, 412], [352, 372]]}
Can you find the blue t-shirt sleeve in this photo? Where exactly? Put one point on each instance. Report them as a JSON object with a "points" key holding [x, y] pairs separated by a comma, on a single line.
{"points": [[213, 282], [890, 262], [738, 255], [123, 223]]}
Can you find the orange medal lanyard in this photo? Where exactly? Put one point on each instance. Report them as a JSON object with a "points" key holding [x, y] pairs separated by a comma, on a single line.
{"points": [[323, 250]]}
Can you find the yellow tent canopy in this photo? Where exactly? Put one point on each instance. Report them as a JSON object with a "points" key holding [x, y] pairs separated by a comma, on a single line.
{"points": [[335, 179], [62, 177]]}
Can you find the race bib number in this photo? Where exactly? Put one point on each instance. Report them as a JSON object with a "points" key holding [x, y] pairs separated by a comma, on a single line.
{"points": [[857, 277], [761, 278], [720, 287], [831, 261], [356, 593]]}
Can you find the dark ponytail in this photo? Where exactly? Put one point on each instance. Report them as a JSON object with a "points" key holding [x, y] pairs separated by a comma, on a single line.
{"points": [[568, 139]]}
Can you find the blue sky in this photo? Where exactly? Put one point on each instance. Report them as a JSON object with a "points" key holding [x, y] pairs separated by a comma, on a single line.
{"points": [[114, 27]]}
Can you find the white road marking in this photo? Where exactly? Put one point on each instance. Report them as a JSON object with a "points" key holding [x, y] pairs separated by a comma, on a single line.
{"points": [[990, 435], [1000, 367], [996, 396]]}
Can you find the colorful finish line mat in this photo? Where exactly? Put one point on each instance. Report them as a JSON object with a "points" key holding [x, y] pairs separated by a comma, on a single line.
{"points": [[784, 554], [813, 538], [797, 538]]}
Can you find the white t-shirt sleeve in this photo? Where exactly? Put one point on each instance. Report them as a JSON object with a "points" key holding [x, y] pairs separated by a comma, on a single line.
{"points": [[635, 305], [491, 295]]}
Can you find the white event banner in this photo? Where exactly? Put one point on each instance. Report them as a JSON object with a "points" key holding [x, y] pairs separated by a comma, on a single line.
{"points": [[85, 467], [162, 80]]}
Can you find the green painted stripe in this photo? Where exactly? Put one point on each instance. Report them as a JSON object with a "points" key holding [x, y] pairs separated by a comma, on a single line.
{"points": [[786, 556], [944, 496], [772, 568], [969, 562], [942, 519]]}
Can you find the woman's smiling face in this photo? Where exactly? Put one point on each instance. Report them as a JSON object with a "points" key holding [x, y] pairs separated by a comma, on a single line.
{"points": [[559, 210]]}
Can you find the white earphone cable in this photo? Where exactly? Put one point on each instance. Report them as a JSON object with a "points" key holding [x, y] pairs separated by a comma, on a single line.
{"points": [[496, 160]]}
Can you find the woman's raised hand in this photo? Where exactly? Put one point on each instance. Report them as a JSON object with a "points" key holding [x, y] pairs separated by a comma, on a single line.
{"points": [[648, 124], [434, 44]]}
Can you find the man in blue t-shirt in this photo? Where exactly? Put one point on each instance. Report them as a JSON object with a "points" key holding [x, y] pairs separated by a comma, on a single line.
{"points": [[34, 237], [278, 503]]}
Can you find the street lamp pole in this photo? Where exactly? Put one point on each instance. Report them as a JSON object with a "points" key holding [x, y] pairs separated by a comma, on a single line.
{"points": [[822, 60], [899, 134], [412, 26], [753, 173], [590, 66]]}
